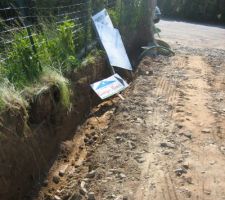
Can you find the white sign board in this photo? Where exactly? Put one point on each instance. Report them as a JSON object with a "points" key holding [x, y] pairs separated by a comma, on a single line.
{"points": [[111, 41], [110, 86], [103, 19]]}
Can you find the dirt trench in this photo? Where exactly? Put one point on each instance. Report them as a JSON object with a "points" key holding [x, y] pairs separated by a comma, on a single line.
{"points": [[165, 141]]}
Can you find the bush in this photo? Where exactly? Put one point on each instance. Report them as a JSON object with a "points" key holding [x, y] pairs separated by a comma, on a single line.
{"points": [[203, 10]]}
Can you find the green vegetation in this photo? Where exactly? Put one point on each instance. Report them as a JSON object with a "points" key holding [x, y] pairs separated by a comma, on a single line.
{"points": [[10, 97], [56, 48], [53, 77], [204, 10], [55, 52]]}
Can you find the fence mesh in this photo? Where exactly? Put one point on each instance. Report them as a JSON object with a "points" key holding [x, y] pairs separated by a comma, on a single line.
{"points": [[26, 23]]}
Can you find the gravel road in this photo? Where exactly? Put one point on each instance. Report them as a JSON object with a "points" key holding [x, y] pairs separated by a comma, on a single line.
{"points": [[193, 35]]}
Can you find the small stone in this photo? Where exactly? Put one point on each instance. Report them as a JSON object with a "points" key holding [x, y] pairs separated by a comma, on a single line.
{"points": [[131, 145], [45, 183], [139, 159], [206, 130], [90, 142], [168, 145], [180, 171], [185, 166], [188, 180], [83, 190], [55, 179], [91, 196], [179, 110], [91, 174], [188, 135], [57, 197], [180, 126], [86, 140], [167, 153], [212, 162], [122, 176], [61, 173], [119, 139], [125, 198], [208, 192]]}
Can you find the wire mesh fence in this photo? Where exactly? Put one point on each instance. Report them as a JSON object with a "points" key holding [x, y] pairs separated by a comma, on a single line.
{"points": [[28, 24]]}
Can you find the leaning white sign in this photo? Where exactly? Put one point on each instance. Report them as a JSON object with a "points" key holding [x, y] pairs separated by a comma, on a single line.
{"points": [[110, 86], [111, 41]]}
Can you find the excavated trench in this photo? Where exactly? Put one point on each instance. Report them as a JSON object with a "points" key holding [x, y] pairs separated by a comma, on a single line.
{"points": [[30, 141]]}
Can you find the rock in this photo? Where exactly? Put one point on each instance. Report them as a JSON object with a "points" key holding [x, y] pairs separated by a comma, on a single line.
{"points": [[125, 198], [75, 197], [57, 197], [61, 173], [91, 196], [179, 110], [207, 192], [90, 142], [168, 145], [119, 139], [167, 153], [180, 171], [212, 162], [91, 174], [188, 180], [149, 73], [185, 166], [122, 176], [86, 140], [139, 159], [188, 135], [83, 190], [131, 145], [206, 130], [180, 126], [45, 183], [55, 179]]}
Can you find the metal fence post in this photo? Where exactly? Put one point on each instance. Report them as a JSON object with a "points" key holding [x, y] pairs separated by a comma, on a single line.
{"points": [[87, 4], [26, 24]]}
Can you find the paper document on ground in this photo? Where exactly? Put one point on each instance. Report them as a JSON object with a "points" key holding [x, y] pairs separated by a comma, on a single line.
{"points": [[110, 86]]}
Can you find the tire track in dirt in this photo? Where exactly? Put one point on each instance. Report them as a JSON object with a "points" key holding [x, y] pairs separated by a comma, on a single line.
{"points": [[154, 147], [203, 169], [165, 95], [188, 95]]}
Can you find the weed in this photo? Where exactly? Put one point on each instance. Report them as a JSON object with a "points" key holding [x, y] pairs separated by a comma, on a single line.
{"points": [[10, 97], [22, 64], [52, 77]]}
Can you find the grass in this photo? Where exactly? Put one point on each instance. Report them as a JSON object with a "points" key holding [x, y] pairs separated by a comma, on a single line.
{"points": [[56, 54], [10, 97], [27, 70], [55, 78]]}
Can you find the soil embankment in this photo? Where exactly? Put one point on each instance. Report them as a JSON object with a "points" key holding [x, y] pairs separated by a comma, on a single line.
{"points": [[30, 141]]}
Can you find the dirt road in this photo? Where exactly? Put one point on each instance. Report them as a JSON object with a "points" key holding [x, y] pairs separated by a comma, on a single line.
{"points": [[165, 141], [193, 35]]}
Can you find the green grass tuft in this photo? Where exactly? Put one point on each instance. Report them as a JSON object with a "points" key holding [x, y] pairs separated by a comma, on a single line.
{"points": [[55, 78], [10, 97]]}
